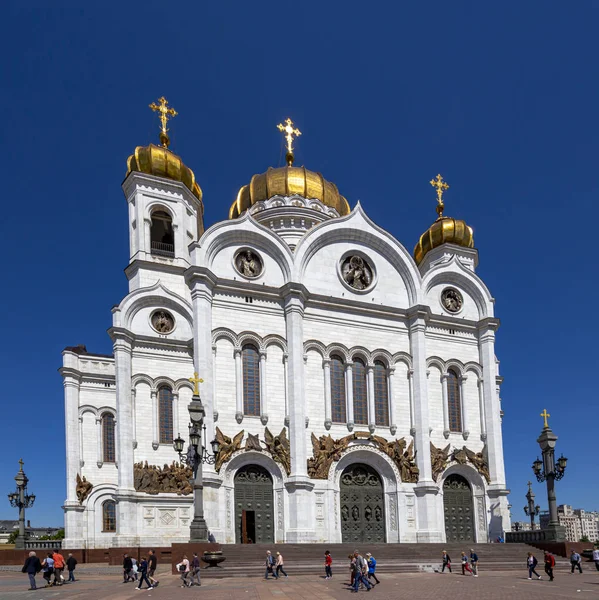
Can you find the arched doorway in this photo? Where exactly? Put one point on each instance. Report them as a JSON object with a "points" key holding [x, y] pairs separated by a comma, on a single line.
{"points": [[458, 508], [362, 505], [254, 514]]}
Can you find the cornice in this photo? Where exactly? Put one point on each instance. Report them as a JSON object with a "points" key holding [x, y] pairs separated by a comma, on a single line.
{"points": [[133, 267]]}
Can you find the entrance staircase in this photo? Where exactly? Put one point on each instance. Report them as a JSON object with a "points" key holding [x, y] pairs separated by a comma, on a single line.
{"points": [[247, 560]]}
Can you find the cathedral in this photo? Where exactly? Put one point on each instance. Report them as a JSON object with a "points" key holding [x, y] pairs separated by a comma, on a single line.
{"points": [[352, 385]]}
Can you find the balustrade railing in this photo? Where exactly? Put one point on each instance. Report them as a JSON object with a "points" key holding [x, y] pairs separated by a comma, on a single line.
{"points": [[162, 249]]}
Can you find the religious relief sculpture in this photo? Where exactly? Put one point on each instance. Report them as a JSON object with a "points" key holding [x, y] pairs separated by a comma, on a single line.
{"points": [[173, 479], [252, 443], [162, 321], [452, 300], [83, 489], [248, 263], [356, 272], [278, 446], [478, 460], [326, 450], [227, 447], [439, 459]]}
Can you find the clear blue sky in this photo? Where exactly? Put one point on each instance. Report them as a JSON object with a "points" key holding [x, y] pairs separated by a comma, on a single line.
{"points": [[501, 98]]}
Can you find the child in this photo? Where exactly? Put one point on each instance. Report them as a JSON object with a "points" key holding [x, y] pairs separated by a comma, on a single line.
{"points": [[328, 561]]}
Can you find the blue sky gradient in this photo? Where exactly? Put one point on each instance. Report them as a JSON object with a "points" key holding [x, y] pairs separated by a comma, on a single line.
{"points": [[501, 98]]}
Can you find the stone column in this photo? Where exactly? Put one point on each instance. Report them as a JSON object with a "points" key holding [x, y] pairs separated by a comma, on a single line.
{"points": [[285, 381], [238, 385], [99, 445], [263, 394], [349, 394], [176, 413], [214, 402], [299, 486], [429, 528], [326, 366], [481, 408], [392, 422], [134, 411], [411, 399], [446, 430], [465, 412], [370, 397], [154, 404]]}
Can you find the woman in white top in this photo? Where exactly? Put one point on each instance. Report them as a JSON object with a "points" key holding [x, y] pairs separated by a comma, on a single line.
{"points": [[183, 568]]}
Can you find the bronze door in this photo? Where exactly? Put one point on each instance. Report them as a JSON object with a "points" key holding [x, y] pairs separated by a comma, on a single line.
{"points": [[254, 515], [362, 505], [457, 504]]}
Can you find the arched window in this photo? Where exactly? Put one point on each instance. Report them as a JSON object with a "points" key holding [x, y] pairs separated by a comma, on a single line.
{"points": [[165, 415], [338, 401], [454, 402], [108, 447], [381, 395], [360, 397], [162, 238], [251, 380], [109, 516]]}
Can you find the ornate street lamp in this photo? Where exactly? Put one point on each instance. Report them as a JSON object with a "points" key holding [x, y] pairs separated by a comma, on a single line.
{"points": [[547, 470], [530, 509], [21, 500], [195, 457]]}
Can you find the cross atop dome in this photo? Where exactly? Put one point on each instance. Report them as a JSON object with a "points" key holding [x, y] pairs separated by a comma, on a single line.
{"points": [[289, 133], [440, 187], [165, 113]]}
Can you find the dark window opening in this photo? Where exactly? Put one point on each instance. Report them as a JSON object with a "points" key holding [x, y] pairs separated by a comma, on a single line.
{"points": [[161, 234]]}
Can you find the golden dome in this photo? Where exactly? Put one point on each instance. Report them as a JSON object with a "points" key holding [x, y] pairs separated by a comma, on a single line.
{"points": [[286, 181], [160, 161], [444, 230]]}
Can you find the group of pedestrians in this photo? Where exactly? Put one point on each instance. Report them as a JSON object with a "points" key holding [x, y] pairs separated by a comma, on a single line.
{"points": [[190, 571], [469, 563], [142, 571], [362, 571], [52, 565], [273, 565]]}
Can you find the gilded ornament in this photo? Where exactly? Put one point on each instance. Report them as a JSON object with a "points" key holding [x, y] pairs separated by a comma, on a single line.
{"points": [[169, 479], [440, 187], [439, 459], [83, 489], [227, 447], [290, 131], [478, 460], [545, 416], [165, 113], [278, 446], [196, 383]]}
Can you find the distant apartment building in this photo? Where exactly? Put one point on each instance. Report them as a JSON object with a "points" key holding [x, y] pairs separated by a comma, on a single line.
{"points": [[579, 523]]}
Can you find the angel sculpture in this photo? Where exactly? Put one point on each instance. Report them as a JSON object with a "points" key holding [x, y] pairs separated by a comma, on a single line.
{"points": [[84, 487], [478, 459], [439, 459], [322, 450], [227, 447], [278, 446], [252, 443], [460, 456], [410, 473]]}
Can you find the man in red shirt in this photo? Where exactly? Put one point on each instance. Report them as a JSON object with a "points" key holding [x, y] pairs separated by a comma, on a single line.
{"points": [[58, 567], [549, 564]]}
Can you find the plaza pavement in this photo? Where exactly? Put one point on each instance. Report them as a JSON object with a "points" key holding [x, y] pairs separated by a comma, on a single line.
{"points": [[100, 583]]}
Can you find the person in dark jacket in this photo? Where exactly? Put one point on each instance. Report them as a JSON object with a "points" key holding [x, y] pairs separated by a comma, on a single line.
{"points": [[474, 562], [531, 563], [32, 567], [143, 573], [152, 564], [195, 570], [446, 562], [549, 564], [71, 564], [127, 568]]}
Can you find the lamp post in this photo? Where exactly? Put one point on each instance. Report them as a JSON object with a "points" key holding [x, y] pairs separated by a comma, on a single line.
{"points": [[21, 500], [195, 457], [530, 509], [547, 470]]}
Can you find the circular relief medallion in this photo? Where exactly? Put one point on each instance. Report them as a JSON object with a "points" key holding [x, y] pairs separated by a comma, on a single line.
{"points": [[356, 272], [162, 321], [248, 263], [452, 300]]}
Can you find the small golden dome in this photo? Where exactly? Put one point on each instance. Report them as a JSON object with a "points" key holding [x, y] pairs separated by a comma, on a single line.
{"points": [[160, 161], [444, 230], [285, 181]]}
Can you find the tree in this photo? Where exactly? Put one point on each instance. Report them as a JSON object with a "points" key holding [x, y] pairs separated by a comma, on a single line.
{"points": [[584, 538], [12, 538]]}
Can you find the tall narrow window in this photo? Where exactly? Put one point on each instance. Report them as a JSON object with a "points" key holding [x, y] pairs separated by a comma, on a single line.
{"points": [[360, 397], [162, 239], [454, 402], [251, 380], [381, 395], [109, 516], [338, 401], [165, 415], [108, 447]]}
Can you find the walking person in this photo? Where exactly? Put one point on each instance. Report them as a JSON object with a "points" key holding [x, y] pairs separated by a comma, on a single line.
{"points": [[58, 567], [465, 565], [352, 570], [48, 568], [32, 567], [474, 562], [71, 564], [280, 564], [134, 568], [446, 562], [596, 557], [195, 569], [328, 565], [183, 568], [575, 561], [143, 574], [270, 565], [360, 572], [549, 564], [531, 563], [152, 564], [371, 567], [127, 567]]}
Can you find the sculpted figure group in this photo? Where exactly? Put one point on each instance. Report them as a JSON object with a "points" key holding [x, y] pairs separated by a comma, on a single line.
{"points": [[441, 457], [151, 479]]}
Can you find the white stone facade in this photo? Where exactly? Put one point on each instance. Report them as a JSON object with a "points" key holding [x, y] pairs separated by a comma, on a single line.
{"points": [[298, 312]]}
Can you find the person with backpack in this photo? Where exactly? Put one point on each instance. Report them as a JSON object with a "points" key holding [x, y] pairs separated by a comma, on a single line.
{"points": [[270, 565], [32, 567], [328, 562], [371, 567], [575, 561], [549, 564], [531, 563], [446, 562], [142, 570], [71, 564]]}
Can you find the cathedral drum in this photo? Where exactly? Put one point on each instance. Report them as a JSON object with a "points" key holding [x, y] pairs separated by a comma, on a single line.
{"points": [[362, 505], [458, 508], [254, 514]]}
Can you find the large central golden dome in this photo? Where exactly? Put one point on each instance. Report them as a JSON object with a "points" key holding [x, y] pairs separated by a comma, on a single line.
{"points": [[286, 181]]}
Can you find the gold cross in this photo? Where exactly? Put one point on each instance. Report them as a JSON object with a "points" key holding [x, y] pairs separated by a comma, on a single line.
{"points": [[196, 381], [440, 186], [545, 414], [289, 133], [21, 463], [166, 112]]}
